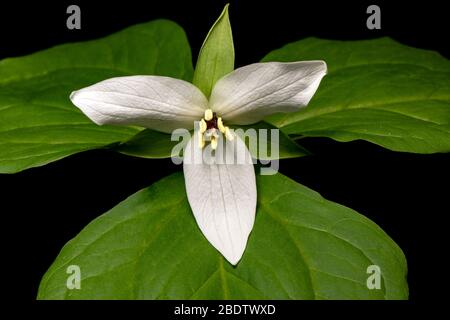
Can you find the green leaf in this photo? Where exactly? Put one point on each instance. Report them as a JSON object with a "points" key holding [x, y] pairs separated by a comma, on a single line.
{"points": [[216, 57], [39, 124], [377, 90], [302, 247]]}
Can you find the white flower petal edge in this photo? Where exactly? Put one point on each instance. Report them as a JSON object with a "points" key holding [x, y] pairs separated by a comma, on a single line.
{"points": [[155, 102], [222, 196], [250, 93]]}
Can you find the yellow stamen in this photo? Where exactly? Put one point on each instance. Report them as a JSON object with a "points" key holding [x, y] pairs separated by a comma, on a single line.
{"points": [[228, 134], [201, 141], [213, 143], [202, 127], [212, 134], [220, 125], [208, 114]]}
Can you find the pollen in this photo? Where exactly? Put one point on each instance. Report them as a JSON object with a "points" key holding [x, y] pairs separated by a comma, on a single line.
{"points": [[210, 127], [203, 126], [214, 143], [220, 125], [228, 134], [201, 140], [208, 114]]}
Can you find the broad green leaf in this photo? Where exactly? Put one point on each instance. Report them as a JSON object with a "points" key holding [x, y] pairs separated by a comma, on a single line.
{"points": [[377, 90], [39, 124], [152, 144], [216, 57], [302, 247]]}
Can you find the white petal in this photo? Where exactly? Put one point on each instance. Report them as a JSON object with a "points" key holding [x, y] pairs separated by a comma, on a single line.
{"points": [[154, 102], [222, 196], [251, 93]]}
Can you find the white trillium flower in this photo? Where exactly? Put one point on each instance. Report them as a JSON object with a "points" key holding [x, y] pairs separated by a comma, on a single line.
{"points": [[222, 196]]}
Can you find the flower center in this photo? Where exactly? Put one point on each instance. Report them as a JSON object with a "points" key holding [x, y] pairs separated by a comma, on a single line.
{"points": [[210, 126]]}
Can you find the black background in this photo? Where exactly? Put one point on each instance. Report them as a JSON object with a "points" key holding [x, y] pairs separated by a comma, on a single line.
{"points": [[405, 194]]}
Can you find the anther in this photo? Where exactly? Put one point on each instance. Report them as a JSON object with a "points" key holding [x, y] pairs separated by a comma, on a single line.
{"points": [[220, 125], [203, 126], [208, 114], [201, 140], [228, 134], [213, 143]]}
